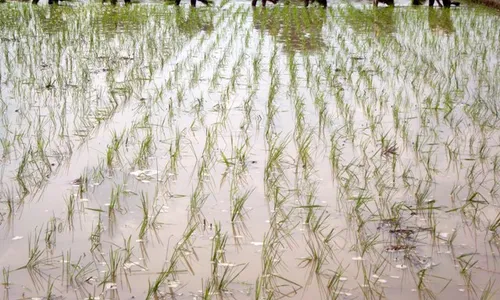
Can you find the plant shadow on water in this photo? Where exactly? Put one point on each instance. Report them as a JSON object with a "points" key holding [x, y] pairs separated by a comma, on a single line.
{"points": [[159, 152]]}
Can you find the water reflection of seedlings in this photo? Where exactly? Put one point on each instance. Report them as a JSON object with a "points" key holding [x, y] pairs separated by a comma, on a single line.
{"points": [[36, 259], [336, 283], [379, 21], [318, 256], [298, 30], [70, 207], [191, 22], [95, 235], [6, 275], [271, 282], [440, 21], [374, 107], [219, 282], [114, 265], [51, 233]]}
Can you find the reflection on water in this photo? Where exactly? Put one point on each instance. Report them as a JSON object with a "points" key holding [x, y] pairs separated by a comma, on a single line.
{"points": [[299, 30], [440, 21], [384, 21], [175, 134], [378, 21], [194, 21]]}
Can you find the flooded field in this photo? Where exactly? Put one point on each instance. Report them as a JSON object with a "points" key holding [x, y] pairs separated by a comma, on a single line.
{"points": [[225, 152]]}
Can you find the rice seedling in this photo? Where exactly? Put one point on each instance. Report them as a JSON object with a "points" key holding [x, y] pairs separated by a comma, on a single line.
{"points": [[95, 235], [237, 206], [5, 276], [149, 218], [37, 262], [51, 233]]}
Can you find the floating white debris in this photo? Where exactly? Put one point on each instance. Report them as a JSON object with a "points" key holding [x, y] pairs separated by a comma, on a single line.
{"points": [[429, 265], [257, 243], [173, 284], [375, 276], [136, 173], [144, 175], [17, 237], [358, 258], [110, 286], [343, 279], [394, 277], [96, 183], [379, 280], [443, 235], [151, 172], [84, 200], [229, 265], [401, 266], [461, 290], [129, 265]]}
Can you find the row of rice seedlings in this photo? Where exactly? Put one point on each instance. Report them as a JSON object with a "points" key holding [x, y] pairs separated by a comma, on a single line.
{"points": [[63, 122], [333, 148]]}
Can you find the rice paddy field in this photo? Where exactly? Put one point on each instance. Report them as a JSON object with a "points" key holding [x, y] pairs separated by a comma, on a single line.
{"points": [[227, 152]]}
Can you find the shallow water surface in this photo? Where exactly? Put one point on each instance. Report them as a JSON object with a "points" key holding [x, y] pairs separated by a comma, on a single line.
{"points": [[157, 152]]}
